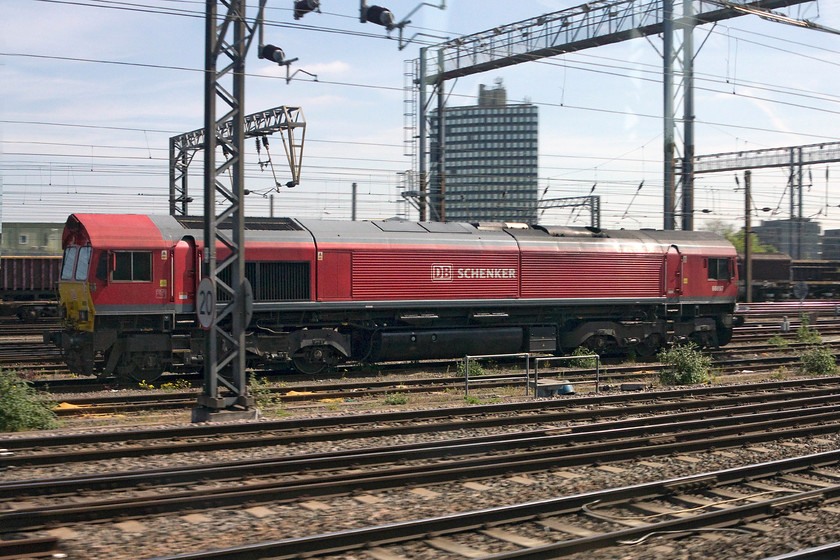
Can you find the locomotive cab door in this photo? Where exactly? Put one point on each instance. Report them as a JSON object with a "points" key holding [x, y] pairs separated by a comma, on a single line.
{"points": [[184, 276], [673, 272]]}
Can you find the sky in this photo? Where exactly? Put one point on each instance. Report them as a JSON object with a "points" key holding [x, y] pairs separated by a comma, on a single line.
{"points": [[92, 90]]}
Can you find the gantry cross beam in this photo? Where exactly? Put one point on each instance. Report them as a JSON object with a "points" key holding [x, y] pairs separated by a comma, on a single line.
{"points": [[183, 148]]}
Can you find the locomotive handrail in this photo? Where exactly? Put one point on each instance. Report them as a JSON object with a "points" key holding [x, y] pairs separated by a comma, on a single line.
{"points": [[526, 376]]}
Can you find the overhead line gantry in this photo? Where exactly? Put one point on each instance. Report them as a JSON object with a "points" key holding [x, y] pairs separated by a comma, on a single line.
{"points": [[582, 27]]}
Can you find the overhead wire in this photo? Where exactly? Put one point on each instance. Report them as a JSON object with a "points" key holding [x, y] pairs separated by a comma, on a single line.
{"points": [[339, 83]]}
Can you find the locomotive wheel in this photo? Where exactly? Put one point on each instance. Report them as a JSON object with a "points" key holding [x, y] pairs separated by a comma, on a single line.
{"points": [[138, 367], [313, 359], [649, 346]]}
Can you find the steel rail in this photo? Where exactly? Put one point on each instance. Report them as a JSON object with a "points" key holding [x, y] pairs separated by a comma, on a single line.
{"points": [[407, 422], [357, 539], [166, 401], [729, 420], [527, 415], [825, 552], [480, 467]]}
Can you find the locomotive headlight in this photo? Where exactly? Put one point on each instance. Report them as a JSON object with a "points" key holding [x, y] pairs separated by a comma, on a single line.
{"points": [[83, 314]]}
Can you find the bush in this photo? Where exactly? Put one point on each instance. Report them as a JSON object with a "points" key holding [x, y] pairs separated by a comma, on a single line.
{"points": [[818, 361], [396, 398], [686, 365], [806, 334], [475, 369], [777, 341], [21, 407], [588, 363], [260, 389]]}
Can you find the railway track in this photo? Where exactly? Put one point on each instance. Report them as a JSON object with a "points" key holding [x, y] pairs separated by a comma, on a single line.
{"points": [[677, 422], [732, 501], [76, 448], [610, 376]]}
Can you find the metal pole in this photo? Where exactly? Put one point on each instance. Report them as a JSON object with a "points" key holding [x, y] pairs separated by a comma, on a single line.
{"points": [[792, 184], [668, 110], [800, 217], [211, 385], [597, 373], [421, 160], [239, 319], [688, 116], [353, 204], [441, 102], [466, 376], [748, 272]]}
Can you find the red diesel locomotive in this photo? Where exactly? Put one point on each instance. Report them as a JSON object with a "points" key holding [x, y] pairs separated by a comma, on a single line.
{"points": [[326, 292]]}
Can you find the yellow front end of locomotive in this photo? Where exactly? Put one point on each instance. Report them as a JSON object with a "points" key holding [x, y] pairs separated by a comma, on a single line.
{"points": [[77, 305]]}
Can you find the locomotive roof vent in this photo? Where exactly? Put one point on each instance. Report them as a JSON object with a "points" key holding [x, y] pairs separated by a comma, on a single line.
{"points": [[251, 223], [566, 231], [496, 226]]}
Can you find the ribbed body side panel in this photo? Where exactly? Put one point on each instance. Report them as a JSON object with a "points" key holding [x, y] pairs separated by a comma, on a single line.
{"points": [[592, 275], [417, 274], [30, 273]]}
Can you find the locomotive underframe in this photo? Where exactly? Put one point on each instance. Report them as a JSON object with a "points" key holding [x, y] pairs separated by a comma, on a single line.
{"points": [[141, 347]]}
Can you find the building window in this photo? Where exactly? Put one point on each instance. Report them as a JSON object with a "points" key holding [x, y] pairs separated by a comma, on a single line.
{"points": [[23, 239]]}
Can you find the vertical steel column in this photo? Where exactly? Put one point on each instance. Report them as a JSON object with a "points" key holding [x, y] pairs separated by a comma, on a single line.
{"points": [[180, 155], [211, 384], [441, 106], [353, 205], [688, 117], [748, 265], [801, 216], [421, 159], [668, 111], [792, 185], [224, 360]]}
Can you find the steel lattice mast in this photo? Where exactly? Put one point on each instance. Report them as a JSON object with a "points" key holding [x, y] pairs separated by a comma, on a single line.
{"points": [[228, 39]]}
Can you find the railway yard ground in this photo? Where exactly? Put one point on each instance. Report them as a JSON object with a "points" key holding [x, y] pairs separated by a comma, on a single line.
{"points": [[394, 463]]}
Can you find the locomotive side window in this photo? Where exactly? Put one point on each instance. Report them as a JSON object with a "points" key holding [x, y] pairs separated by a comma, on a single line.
{"points": [[719, 269], [69, 263], [83, 264], [132, 266]]}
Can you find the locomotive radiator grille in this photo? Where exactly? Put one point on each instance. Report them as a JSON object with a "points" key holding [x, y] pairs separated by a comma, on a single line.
{"points": [[274, 281]]}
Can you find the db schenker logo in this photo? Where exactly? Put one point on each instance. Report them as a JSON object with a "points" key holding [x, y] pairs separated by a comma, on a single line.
{"points": [[441, 273]]}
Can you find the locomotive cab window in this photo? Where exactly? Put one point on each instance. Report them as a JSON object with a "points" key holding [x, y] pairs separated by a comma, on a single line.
{"points": [[69, 263], [719, 269], [132, 266], [83, 263]]}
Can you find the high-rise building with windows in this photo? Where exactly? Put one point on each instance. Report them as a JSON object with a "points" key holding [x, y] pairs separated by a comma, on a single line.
{"points": [[490, 160]]}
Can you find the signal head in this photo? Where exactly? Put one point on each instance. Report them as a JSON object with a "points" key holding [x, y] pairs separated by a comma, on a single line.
{"points": [[380, 16], [270, 52], [303, 7]]}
